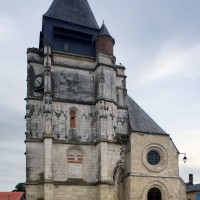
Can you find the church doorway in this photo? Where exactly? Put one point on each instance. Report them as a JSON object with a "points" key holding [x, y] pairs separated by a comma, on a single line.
{"points": [[154, 194]]}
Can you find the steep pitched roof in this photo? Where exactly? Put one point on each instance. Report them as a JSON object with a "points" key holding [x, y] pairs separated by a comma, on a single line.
{"points": [[104, 30], [11, 195], [140, 121], [73, 11]]}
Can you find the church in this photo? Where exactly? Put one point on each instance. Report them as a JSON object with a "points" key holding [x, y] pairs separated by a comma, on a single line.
{"points": [[86, 139]]}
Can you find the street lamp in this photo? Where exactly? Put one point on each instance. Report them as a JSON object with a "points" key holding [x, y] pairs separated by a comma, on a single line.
{"points": [[184, 157]]}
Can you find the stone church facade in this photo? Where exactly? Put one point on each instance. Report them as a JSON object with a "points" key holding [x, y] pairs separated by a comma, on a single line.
{"points": [[86, 139]]}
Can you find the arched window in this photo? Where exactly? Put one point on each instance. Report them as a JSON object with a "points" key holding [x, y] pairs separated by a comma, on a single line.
{"points": [[72, 119], [75, 164], [154, 194]]}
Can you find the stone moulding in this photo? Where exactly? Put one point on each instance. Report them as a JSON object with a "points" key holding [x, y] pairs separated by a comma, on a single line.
{"points": [[70, 182]]}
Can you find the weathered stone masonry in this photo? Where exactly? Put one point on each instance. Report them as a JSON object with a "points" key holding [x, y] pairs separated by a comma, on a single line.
{"points": [[85, 138]]}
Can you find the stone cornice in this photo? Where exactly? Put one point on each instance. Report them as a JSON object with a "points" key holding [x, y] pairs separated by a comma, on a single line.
{"points": [[75, 182], [131, 174]]}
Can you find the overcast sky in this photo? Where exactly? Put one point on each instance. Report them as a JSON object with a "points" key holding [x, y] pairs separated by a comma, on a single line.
{"points": [[157, 41]]}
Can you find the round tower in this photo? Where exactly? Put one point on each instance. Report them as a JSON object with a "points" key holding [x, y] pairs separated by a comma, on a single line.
{"points": [[104, 41]]}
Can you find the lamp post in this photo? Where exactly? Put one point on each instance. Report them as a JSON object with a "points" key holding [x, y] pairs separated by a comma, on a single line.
{"points": [[184, 157]]}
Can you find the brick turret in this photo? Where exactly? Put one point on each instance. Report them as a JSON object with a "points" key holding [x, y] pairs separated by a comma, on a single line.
{"points": [[104, 42]]}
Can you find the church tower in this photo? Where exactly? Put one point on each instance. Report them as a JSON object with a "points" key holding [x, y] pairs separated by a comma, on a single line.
{"points": [[85, 138]]}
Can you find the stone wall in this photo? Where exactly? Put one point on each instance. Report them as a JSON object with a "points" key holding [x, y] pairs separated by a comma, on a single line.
{"points": [[143, 176], [75, 192], [35, 162], [61, 171], [72, 84], [171, 188], [90, 154], [88, 119], [34, 192], [142, 143]]}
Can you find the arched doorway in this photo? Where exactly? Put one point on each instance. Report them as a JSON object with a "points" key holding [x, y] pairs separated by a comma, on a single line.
{"points": [[154, 194]]}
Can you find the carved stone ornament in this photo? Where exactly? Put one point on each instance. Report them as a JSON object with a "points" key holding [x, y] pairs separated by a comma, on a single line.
{"points": [[101, 78], [47, 103]]}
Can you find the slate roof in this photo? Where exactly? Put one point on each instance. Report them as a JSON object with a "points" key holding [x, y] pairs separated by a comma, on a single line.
{"points": [[11, 195], [104, 30], [73, 11], [193, 188], [140, 121]]}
